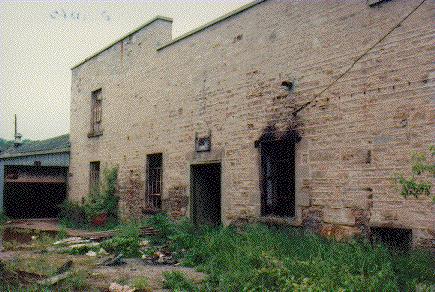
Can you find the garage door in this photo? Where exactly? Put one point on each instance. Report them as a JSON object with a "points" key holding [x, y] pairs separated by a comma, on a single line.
{"points": [[34, 191]]}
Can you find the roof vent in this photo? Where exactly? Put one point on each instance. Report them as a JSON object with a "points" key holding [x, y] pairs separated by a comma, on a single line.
{"points": [[17, 141]]}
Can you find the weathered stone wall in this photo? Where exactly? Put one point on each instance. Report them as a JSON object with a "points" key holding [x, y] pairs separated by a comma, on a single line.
{"points": [[370, 68]]}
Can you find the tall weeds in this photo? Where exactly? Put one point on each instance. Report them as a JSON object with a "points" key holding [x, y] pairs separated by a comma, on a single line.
{"points": [[260, 259]]}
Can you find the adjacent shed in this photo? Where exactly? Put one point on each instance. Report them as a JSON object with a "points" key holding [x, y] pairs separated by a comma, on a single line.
{"points": [[33, 178]]}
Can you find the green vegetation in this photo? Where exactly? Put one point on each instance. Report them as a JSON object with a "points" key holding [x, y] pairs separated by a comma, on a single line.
{"points": [[177, 281], [141, 284], [256, 258], [5, 144], [102, 200], [126, 241], [3, 219], [419, 182], [77, 281], [261, 259]]}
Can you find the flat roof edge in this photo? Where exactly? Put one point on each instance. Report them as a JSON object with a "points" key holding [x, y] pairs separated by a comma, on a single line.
{"points": [[213, 22], [15, 155], [158, 17]]}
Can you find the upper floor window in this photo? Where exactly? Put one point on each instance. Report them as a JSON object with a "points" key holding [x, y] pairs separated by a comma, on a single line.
{"points": [[96, 113]]}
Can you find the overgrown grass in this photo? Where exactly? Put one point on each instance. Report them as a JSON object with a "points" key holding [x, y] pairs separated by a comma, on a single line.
{"points": [[141, 284], [177, 281], [126, 240], [260, 259]]}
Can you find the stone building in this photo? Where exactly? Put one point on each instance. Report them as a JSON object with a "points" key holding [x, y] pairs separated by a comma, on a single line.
{"points": [[298, 112]]}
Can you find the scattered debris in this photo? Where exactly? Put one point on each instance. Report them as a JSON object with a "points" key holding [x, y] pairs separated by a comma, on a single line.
{"points": [[71, 240], [115, 287], [53, 280], [160, 257], [81, 245], [65, 267], [149, 231], [116, 261], [91, 253], [102, 251]]}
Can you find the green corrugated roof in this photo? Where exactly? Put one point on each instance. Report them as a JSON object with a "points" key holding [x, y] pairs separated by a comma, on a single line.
{"points": [[56, 144]]}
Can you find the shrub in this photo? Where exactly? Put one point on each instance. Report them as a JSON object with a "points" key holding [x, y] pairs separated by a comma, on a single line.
{"points": [[416, 185], [103, 199], [177, 281], [165, 227], [100, 201], [72, 214], [125, 241]]}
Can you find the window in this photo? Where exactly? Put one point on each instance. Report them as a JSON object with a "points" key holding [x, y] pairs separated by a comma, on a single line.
{"points": [[94, 175], [154, 182], [278, 184], [96, 113]]}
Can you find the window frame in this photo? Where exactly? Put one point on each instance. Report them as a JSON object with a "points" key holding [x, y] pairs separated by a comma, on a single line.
{"points": [[96, 113], [154, 183], [94, 175]]}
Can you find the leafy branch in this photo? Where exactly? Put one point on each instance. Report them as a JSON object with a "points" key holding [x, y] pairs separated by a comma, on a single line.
{"points": [[416, 185]]}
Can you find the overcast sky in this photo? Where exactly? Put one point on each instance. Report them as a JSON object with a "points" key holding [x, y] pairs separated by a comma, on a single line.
{"points": [[41, 41]]}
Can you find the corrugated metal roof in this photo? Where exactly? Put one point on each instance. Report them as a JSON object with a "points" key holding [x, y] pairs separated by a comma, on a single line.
{"points": [[52, 145]]}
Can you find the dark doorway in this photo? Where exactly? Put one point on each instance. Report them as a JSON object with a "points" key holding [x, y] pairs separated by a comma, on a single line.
{"points": [[34, 191], [206, 194], [278, 178], [33, 200]]}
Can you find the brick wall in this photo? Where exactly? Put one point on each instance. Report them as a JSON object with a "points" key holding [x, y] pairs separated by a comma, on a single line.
{"points": [[374, 84]]}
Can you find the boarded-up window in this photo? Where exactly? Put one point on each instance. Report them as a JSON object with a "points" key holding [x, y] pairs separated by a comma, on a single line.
{"points": [[94, 176], [154, 182], [96, 114]]}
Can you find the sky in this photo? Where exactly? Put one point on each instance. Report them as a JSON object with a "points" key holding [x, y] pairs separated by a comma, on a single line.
{"points": [[40, 41]]}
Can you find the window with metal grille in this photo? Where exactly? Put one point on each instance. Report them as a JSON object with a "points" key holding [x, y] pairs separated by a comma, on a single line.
{"points": [[94, 176], [154, 182], [96, 112]]}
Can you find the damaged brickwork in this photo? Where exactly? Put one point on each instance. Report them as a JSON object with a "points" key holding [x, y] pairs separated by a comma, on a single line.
{"points": [[357, 80]]}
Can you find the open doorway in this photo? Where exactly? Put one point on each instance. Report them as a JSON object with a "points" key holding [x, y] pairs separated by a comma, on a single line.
{"points": [[206, 194]]}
